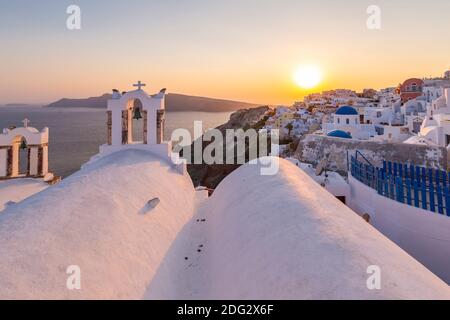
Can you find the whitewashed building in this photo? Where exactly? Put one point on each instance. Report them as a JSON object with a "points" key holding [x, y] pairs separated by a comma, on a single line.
{"points": [[435, 129], [122, 109], [347, 120], [31, 140], [432, 93]]}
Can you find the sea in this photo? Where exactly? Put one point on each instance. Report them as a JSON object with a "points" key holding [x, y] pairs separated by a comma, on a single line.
{"points": [[77, 133]]}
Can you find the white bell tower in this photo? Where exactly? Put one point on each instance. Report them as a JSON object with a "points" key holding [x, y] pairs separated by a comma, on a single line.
{"points": [[120, 113], [151, 110]]}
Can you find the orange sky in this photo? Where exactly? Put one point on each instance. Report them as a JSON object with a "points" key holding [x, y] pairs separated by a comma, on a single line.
{"points": [[242, 50]]}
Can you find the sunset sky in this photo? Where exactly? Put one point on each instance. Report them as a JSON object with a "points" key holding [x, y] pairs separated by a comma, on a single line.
{"points": [[236, 49]]}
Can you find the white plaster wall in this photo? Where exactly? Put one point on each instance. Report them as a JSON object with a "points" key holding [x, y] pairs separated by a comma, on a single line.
{"points": [[284, 237], [33, 161], [31, 135], [151, 104], [353, 120], [45, 160], [3, 163], [116, 127], [423, 234], [162, 150], [98, 219], [15, 161], [396, 134], [151, 127], [447, 96], [130, 126]]}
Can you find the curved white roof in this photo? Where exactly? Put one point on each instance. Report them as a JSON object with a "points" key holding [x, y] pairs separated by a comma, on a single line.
{"points": [[96, 219], [31, 135], [284, 237], [261, 237], [15, 190], [154, 101]]}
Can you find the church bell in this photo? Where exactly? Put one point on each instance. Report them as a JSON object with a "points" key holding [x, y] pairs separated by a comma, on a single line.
{"points": [[137, 114], [23, 145]]}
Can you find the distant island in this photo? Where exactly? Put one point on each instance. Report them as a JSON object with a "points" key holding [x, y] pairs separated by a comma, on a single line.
{"points": [[18, 105], [174, 102]]}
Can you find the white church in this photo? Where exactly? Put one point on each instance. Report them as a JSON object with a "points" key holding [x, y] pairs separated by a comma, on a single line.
{"points": [[347, 125], [131, 225], [35, 142]]}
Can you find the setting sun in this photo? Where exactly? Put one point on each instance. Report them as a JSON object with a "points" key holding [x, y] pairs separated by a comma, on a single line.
{"points": [[308, 76]]}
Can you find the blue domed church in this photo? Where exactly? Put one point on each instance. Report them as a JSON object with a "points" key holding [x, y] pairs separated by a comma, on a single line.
{"points": [[346, 125]]}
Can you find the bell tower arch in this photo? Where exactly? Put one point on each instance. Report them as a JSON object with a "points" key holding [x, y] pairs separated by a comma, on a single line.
{"points": [[122, 109]]}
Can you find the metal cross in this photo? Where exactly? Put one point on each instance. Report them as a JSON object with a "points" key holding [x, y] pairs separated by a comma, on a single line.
{"points": [[139, 85], [25, 122]]}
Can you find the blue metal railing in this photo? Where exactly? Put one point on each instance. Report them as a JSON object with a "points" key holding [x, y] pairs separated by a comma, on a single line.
{"points": [[416, 186]]}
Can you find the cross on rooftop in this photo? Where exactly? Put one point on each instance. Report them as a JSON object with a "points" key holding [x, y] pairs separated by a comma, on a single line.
{"points": [[139, 85], [25, 122]]}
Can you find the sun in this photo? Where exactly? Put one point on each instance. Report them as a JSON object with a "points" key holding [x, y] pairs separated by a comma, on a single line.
{"points": [[308, 76]]}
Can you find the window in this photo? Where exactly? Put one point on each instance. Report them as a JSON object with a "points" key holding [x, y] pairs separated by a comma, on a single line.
{"points": [[347, 121]]}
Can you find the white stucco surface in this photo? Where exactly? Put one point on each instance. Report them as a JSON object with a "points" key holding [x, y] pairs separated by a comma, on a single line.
{"points": [[16, 190], [34, 139], [150, 103], [284, 237], [423, 234], [333, 182], [257, 237], [32, 135], [97, 219]]}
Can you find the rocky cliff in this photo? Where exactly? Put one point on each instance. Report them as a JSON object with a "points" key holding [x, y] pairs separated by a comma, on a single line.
{"points": [[211, 175]]}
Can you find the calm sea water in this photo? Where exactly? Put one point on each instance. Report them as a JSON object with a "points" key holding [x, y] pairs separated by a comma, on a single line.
{"points": [[76, 134]]}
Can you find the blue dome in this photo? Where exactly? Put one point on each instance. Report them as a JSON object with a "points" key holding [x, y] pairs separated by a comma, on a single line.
{"points": [[339, 134], [346, 111]]}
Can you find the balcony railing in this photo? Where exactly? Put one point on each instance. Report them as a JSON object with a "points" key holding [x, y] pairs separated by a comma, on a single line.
{"points": [[416, 186]]}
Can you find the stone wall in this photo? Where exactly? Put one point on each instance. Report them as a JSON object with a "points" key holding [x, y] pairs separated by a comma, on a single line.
{"points": [[313, 148]]}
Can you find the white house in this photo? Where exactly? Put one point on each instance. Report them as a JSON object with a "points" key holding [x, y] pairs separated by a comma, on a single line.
{"points": [[435, 129], [432, 92], [393, 134], [377, 116], [280, 110]]}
